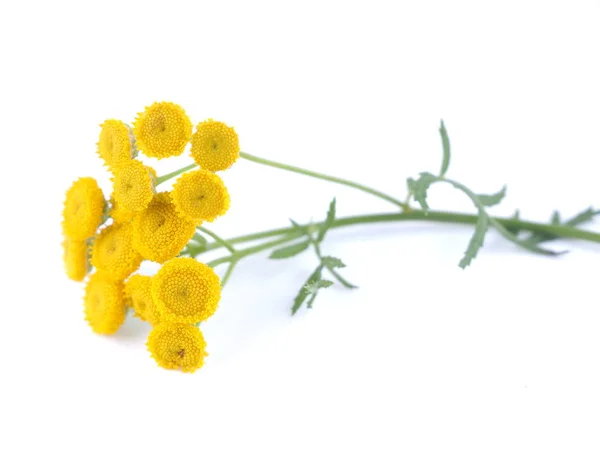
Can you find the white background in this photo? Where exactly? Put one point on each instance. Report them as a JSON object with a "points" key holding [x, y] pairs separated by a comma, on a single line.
{"points": [[424, 355]]}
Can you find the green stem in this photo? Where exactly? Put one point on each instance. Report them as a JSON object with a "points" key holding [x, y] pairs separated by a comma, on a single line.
{"points": [[251, 250], [418, 215], [218, 239], [310, 173], [168, 176], [228, 273]]}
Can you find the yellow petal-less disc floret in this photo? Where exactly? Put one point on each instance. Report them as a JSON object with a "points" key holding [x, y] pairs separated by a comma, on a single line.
{"points": [[75, 257], [162, 130], [113, 252], [215, 146], [200, 195], [115, 144], [133, 185], [104, 304], [159, 233], [139, 296], [83, 209], [118, 213], [186, 291], [177, 346]]}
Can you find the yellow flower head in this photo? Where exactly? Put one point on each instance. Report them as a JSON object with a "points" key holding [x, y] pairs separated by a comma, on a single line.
{"points": [[113, 252], [83, 209], [115, 144], [75, 257], [186, 291], [177, 346], [200, 195], [159, 233], [118, 213], [138, 295], [133, 185], [215, 146], [104, 304], [162, 130]]}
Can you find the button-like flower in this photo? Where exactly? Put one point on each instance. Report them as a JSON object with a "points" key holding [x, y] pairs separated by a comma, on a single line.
{"points": [[115, 143], [177, 346], [75, 257], [159, 233], [138, 295], [104, 305], [215, 146], [186, 291], [133, 185], [162, 130], [113, 252], [200, 195], [83, 209]]}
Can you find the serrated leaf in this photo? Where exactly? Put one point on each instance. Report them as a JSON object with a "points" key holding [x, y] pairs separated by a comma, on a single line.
{"points": [[584, 216], [342, 280], [313, 287], [526, 244], [326, 225], [331, 262], [420, 186], [289, 251], [476, 241], [303, 293], [493, 199], [445, 148]]}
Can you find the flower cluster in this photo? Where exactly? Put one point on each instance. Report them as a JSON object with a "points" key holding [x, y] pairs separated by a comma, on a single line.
{"points": [[106, 241]]}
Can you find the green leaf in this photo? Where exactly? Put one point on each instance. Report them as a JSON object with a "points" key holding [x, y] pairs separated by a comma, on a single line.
{"points": [[303, 293], [493, 199], [341, 279], [584, 216], [314, 289], [331, 262], [527, 245], [314, 286], [555, 219], [289, 251], [446, 148], [328, 222], [419, 187], [476, 241]]}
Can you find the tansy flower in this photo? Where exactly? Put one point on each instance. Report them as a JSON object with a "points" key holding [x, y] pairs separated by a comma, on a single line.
{"points": [[104, 304], [177, 346], [133, 185], [115, 144], [75, 256], [138, 295], [200, 195], [186, 291], [215, 146], [113, 252], [162, 130], [159, 233], [118, 213], [83, 209]]}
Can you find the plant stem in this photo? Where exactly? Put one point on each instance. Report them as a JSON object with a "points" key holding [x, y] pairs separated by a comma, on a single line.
{"points": [[225, 278], [251, 250], [337, 180], [218, 239], [418, 215], [168, 176]]}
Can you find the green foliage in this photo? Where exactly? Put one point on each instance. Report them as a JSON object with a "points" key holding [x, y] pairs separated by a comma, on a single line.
{"points": [[493, 199], [289, 251], [327, 223], [331, 262], [304, 293], [476, 241], [445, 148]]}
